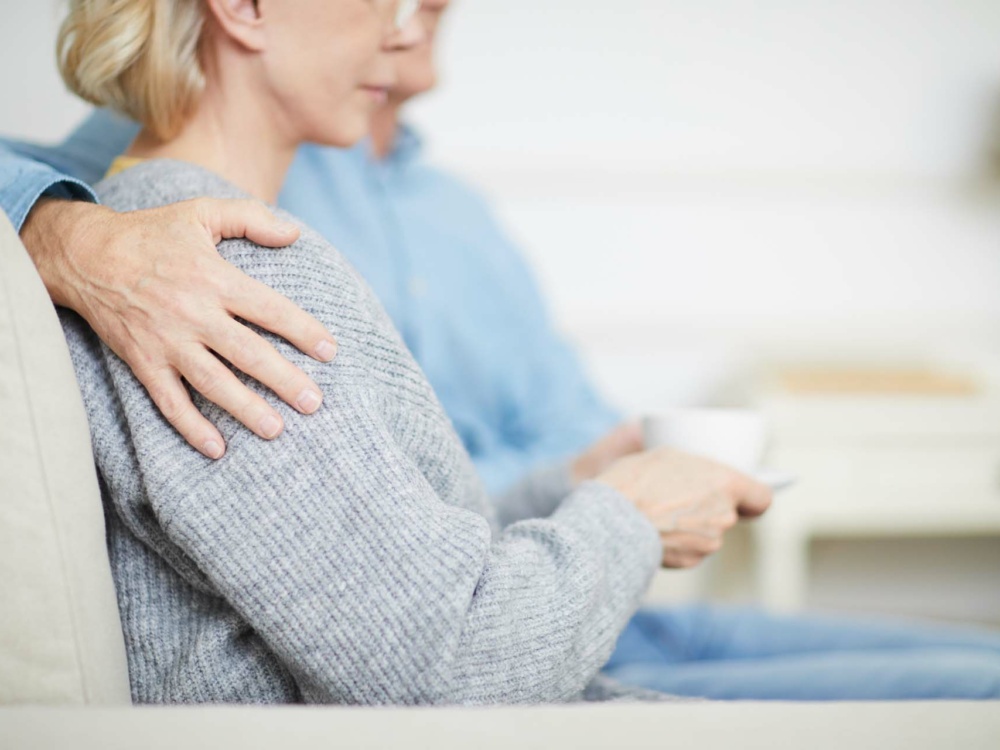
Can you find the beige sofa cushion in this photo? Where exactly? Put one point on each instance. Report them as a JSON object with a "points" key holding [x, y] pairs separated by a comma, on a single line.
{"points": [[60, 636]]}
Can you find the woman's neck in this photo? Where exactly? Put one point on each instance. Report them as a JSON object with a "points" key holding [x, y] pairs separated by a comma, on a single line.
{"points": [[232, 134]]}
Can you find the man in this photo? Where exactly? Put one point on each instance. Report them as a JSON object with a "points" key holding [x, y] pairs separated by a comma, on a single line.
{"points": [[466, 305]]}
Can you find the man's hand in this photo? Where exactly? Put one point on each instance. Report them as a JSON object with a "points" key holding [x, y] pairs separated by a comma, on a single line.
{"points": [[691, 501], [153, 286], [622, 441]]}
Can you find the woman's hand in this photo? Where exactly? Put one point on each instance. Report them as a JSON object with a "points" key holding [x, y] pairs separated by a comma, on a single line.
{"points": [[691, 501], [622, 441], [154, 288]]}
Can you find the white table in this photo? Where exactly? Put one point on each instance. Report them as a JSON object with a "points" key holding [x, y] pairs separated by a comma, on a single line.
{"points": [[875, 466]]}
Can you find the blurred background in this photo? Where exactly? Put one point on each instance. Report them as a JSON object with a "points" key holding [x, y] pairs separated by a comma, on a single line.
{"points": [[793, 207]]}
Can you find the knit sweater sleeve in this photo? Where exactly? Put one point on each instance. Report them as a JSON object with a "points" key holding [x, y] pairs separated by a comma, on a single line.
{"points": [[376, 592], [357, 545], [536, 495]]}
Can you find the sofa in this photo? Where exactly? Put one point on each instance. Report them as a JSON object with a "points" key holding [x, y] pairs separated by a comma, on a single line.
{"points": [[63, 671]]}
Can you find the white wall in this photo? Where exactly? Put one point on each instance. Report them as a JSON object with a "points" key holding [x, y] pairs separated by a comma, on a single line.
{"points": [[699, 183], [33, 102], [703, 175], [683, 165]]}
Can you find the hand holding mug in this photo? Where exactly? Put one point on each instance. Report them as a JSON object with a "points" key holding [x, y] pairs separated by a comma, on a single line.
{"points": [[692, 501], [622, 441]]}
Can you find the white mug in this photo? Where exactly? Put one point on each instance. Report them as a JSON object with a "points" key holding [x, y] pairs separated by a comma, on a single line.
{"points": [[734, 437]]}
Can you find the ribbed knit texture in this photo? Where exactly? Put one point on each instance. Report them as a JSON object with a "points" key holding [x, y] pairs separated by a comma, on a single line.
{"points": [[356, 559]]}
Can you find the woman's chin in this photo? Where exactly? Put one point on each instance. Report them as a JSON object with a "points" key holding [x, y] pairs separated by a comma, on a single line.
{"points": [[346, 134]]}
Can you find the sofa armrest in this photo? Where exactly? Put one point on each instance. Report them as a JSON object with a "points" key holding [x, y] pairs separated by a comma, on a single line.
{"points": [[705, 726]]}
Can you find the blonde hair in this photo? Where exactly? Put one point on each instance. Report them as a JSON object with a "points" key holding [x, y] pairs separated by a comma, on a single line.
{"points": [[139, 57]]}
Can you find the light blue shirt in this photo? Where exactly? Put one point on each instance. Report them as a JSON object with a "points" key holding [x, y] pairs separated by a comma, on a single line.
{"points": [[456, 287]]}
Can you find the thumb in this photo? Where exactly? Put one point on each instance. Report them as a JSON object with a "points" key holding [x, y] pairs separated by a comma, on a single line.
{"points": [[756, 499], [632, 439], [227, 219], [624, 440]]}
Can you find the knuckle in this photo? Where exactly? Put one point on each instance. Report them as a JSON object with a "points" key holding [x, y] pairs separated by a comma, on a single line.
{"points": [[255, 210], [731, 483], [290, 383], [204, 378], [170, 399], [245, 350], [200, 206], [204, 269], [712, 546], [268, 308], [276, 309], [253, 410]]}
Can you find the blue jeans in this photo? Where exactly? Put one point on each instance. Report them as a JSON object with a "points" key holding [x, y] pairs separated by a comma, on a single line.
{"points": [[734, 653]]}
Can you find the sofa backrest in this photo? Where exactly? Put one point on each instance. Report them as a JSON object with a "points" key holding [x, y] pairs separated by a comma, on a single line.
{"points": [[60, 635]]}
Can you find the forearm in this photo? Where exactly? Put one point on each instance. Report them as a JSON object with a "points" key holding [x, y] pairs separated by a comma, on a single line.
{"points": [[422, 607], [53, 234], [582, 574], [374, 589], [53, 213]]}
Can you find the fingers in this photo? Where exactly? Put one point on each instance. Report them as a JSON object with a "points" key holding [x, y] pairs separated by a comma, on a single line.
{"points": [[244, 218], [251, 354], [624, 440], [682, 550], [628, 439], [690, 537], [173, 401], [258, 303], [213, 380], [754, 497]]}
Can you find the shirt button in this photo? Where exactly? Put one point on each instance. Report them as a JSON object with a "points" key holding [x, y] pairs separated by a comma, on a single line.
{"points": [[418, 287]]}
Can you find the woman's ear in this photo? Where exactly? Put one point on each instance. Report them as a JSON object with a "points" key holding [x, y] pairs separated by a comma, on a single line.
{"points": [[240, 20]]}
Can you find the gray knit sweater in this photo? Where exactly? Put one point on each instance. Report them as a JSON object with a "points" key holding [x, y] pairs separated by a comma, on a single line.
{"points": [[356, 559]]}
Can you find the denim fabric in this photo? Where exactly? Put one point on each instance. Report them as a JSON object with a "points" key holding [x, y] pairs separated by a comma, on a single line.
{"points": [[738, 653]]}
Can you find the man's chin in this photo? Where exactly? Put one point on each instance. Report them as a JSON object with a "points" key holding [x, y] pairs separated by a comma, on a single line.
{"points": [[413, 89]]}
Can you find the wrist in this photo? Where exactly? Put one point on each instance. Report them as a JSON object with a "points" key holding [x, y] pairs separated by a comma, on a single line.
{"points": [[579, 471], [584, 467], [53, 232]]}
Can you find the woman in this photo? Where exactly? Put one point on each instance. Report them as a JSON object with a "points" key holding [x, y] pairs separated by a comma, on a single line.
{"points": [[357, 558]]}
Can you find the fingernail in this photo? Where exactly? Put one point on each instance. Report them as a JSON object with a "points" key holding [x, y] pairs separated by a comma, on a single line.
{"points": [[213, 450], [286, 227], [270, 426], [325, 350], [308, 401]]}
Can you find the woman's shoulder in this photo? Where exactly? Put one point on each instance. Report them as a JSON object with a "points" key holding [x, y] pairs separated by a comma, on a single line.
{"points": [[160, 182], [311, 272], [309, 263]]}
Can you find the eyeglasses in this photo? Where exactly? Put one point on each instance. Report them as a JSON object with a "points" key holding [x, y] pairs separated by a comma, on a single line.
{"points": [[405, 10]]}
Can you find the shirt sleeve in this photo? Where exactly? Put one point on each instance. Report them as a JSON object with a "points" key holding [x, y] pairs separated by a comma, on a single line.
{"points": [[552, 409], [29, 171], [23, 181]]}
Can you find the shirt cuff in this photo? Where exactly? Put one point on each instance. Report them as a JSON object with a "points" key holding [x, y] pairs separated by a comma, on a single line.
{"points": [[23, 182]]}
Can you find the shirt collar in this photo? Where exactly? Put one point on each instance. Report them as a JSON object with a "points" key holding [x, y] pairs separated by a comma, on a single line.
{"points": [[406, 149]]}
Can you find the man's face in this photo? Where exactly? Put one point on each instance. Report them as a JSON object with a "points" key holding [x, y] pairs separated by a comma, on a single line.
{"points": [[415, 69]]}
